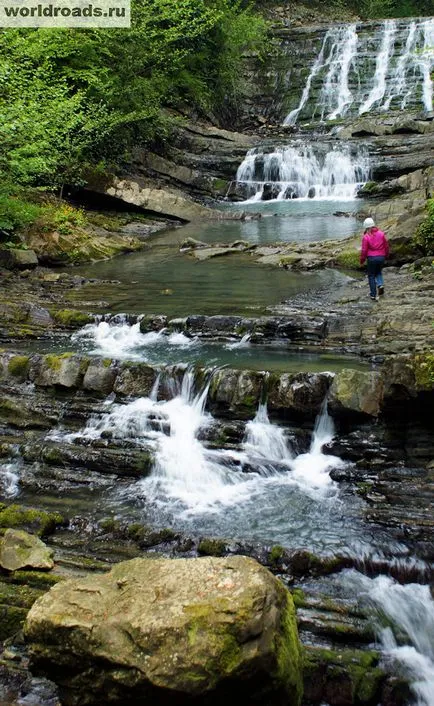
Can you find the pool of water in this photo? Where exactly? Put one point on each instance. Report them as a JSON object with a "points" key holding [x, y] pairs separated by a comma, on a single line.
{"points": [[124, 341], [163, 280], [299, 220]]}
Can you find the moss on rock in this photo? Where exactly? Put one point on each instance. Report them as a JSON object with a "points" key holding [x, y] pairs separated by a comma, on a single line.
{"points": [[71, 318], [18, 366], [424, 370], [38, 521], [211, 547]]}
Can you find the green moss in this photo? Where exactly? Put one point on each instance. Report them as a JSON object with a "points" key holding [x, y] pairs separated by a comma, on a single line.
{"points": [[18, 366], [423, 365], [288, 652], [11, 620], [38, 521], [298, 597], [107, 362], [70, 318], [33, 579], [19, 596], [275, 555], [55, 361], [288, 261], [211, 547], [348, 260], [137, 532], [109, 524]]}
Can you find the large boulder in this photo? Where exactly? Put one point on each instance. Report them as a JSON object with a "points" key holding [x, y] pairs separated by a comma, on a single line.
{"points": [[170, 632], [356, 393], [20, 550]]}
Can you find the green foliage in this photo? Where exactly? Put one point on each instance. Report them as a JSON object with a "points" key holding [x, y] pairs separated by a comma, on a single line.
{"points": [[15, 213], [72, 98], [424, 236]]}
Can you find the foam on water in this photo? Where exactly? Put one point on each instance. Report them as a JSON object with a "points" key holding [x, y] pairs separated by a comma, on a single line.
{"points": [[9, 480], [121, 340], [410, 609]]}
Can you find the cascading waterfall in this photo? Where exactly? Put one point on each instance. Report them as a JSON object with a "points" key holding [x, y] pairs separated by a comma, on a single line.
{"points": [[301, 172], [191, 478], [358, 70], [410, 610]]}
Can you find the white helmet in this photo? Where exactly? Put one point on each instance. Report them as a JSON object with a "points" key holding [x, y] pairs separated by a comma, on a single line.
{"points": [[368, 223]]}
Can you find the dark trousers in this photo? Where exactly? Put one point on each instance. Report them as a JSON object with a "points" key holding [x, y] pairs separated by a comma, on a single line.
{"points": [[375, 273]]}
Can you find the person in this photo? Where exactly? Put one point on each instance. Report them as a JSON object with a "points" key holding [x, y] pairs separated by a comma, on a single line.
{"points": [[375, 249]]}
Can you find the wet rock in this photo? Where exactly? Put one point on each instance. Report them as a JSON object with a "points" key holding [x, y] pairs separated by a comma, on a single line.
{"points": [[301, 394], [36, 521], [356, 393], [217, 619], [20, 550], [130, 463], [14, 259], [236, 392], [66, 370], [100, 376], [39, 316], [134, 379], [152, 322], [21, 413]]}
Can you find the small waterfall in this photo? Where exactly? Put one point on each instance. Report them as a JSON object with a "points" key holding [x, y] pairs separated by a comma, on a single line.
{"points": [[301, 172], [336, 96], [359, 69], [379, 82], [9, 480], [410, 609], [265, 440], [120, 339]]}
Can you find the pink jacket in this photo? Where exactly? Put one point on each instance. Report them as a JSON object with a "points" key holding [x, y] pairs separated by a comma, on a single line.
{"points": [[374, 244]]}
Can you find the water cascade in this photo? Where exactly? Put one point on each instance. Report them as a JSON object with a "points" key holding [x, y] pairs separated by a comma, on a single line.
{"points": [[409, 610], [360, 69], [190, 478], [301, 171]]}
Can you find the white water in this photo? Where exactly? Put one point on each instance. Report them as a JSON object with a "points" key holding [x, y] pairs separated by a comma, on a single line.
{"points": [[122, 340], [410, 608], [382, 64], [9, 480], [300, 172], [358, 71], [190, 479]]}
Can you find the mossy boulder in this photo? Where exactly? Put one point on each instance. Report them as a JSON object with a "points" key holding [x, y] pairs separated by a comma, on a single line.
{"points": [[66, 370], [38, 521], [159, 630], [70, 318], [21, 550], [135, 379], [356, 393]]}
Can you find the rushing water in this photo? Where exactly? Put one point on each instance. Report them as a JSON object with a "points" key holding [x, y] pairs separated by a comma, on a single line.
{"points": [[303, 172], [123, 340], [358, 71], [408, 639]]}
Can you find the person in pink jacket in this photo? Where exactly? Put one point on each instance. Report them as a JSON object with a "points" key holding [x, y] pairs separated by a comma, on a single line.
{"points": [[375, 249]]}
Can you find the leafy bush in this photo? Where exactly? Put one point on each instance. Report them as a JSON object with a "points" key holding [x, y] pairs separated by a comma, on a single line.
{"points": [[424, 236], [16, 214], [70, 98]]}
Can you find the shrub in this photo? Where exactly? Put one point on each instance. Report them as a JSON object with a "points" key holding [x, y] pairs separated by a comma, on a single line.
{"points": [[424, 236]]}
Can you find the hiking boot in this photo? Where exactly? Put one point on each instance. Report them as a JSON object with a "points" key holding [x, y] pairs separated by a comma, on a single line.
{"points": [[380, 290]]}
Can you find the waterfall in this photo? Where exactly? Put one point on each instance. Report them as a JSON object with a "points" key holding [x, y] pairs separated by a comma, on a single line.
{"points": [[300, 171], [410, 610], [9, 479], [359, 69], [382, 64]]}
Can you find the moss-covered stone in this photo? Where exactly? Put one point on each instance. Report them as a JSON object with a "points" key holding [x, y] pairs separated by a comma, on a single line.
{"points": [[211, 547], [348, 260], [275, 555], [70, 318], [38, 521], [424, 370], [11, 620], [18, 366]]}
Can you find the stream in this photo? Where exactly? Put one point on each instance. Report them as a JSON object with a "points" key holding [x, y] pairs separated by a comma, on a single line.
{"points": [[259, 481]]}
